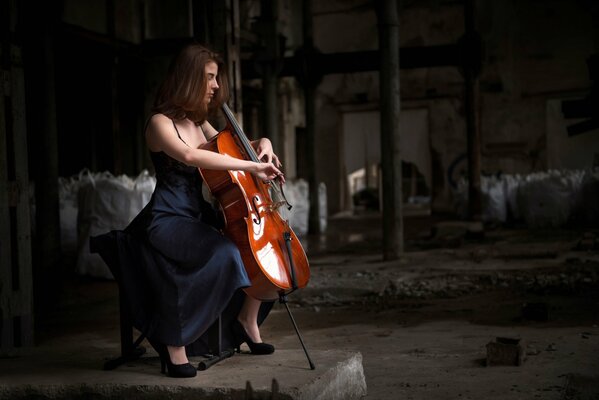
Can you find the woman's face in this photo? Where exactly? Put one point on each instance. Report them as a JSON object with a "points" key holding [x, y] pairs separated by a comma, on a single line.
{"points": [[211, 70]]}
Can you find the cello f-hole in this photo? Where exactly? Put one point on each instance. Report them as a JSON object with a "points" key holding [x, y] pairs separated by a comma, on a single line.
{"points": [[258, 220]]}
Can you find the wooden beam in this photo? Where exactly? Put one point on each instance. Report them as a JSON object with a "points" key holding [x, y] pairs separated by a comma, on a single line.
{"points": [[362, 61]]}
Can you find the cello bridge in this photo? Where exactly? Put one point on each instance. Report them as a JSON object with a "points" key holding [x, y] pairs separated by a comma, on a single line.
{"points": [[274, 206]]}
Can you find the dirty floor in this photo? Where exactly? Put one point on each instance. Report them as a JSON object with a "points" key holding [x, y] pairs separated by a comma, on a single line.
{"points": [[422, 322]]}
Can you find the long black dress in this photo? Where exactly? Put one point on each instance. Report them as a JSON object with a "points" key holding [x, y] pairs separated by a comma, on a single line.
{"points": [[175, 269]]}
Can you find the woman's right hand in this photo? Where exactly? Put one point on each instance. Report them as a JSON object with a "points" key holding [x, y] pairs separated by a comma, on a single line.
{"points": [[267, 171]]}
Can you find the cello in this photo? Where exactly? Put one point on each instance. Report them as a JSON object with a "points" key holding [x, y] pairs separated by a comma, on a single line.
{"points": [[272, 254]]}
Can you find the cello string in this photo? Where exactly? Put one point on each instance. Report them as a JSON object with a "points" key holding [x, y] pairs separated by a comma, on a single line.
{"points": [[240, 134], [250, 149]]}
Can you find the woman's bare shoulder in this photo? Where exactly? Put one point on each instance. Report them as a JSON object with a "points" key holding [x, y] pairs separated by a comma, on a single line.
{"points": [[159, 125], [159, 120]]}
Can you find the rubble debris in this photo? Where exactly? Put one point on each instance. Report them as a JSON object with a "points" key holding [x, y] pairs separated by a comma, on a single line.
{"points": [[386, 286], [505, 351], [551, 347], [569, 279], [532, 350]]}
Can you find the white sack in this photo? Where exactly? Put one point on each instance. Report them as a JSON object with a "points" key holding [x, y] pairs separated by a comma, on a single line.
{"points": [[68, 189], [545, 199], [297, 193], [493, 199], [107, 203], [322, 207]]}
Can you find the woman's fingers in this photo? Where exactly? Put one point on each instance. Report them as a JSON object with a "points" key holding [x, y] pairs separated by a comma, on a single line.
{"points": [[265, 156], [268, 171], [274, 170]]}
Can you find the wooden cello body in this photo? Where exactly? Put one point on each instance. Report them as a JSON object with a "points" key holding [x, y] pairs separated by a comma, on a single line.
{"points": [[271, 252]]}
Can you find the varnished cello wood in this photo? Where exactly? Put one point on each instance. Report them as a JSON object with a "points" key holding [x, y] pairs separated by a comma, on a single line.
{"points": [[256, 229]]}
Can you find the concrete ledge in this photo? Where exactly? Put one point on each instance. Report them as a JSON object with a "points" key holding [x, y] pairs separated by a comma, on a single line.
{"points": [[338, 375]]}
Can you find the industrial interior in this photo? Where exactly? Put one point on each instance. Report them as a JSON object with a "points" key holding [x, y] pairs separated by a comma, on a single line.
{"points": [[442, 162]]}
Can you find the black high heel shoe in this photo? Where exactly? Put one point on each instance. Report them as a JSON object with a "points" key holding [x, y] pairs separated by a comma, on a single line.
{"points": [[167, 367], [242, 336]]}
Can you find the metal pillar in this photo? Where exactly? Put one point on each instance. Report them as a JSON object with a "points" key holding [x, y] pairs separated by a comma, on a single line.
{"points": [[270, 67], [117, 141], [47, 199], [234, 58], [216, 24], [388, 22], [472, 65], [271, 110], [310, 81]]}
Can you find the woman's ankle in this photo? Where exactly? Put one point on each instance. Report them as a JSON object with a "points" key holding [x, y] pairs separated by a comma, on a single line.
{"points": [[251, 328], [177, 355]]}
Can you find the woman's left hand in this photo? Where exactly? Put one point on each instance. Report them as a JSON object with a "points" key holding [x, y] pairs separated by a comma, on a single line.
{"points": [[265, 152]]}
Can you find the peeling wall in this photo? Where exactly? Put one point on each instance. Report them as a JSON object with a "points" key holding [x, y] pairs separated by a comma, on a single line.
{"points": [[534, 52]]}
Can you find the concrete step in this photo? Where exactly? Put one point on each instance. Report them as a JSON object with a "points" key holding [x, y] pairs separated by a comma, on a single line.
{"points": [[78, 374]]}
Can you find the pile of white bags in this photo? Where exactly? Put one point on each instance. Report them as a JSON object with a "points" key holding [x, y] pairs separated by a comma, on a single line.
{"points": [[322, 207], [547, 199], [493, 199], [297, 193], [68, 189], [96, 203], [542, 199], [587, 203]]}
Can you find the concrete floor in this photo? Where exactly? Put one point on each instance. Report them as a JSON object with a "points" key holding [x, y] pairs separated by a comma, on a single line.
{"points": [[420, 324]]}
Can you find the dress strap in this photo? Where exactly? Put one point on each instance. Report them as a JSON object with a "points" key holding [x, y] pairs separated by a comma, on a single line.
{"points": [[175, 125]]}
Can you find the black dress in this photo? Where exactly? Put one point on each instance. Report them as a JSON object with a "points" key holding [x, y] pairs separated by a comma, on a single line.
{"points": [[175, 269]]}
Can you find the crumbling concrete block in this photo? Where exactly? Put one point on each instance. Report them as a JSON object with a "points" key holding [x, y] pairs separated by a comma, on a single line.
{"points": [[505, 351]]}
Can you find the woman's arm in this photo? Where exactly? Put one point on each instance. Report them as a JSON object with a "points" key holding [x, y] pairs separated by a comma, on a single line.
{"points": [[161, 136], [208, 130]]}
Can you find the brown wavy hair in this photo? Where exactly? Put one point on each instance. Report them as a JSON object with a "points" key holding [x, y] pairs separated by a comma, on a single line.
{"points": [[183, 91]]}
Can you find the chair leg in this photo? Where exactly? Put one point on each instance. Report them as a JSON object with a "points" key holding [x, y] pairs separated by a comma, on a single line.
{"points": [[216, 338], [130, 350]]}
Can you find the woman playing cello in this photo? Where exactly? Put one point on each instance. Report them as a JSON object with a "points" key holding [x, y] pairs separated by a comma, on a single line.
{"points": [[176, 271]]}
